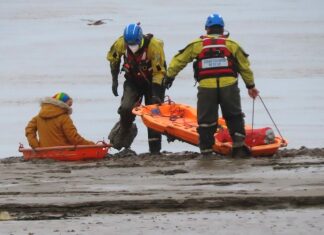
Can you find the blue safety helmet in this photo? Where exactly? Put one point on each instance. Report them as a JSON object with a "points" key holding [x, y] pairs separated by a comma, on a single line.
{"points": [[133, 34], [214, 19]]}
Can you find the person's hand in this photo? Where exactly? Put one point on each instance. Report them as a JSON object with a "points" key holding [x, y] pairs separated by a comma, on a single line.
{"points": [[114, 86], [167, 82], [253, 92]]}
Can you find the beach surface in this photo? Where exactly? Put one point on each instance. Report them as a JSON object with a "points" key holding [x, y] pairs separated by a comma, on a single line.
{"points": [[178, 193]]}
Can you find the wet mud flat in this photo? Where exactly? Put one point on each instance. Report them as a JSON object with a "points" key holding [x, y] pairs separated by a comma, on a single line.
{"points": [[171, 182]]}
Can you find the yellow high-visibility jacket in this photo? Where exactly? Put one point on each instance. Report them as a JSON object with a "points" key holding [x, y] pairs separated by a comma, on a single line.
{"points": [[192, 50], [155, 53]]}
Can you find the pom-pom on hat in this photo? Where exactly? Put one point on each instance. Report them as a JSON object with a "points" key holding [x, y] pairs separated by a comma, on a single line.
{"points": [[61, 96]]}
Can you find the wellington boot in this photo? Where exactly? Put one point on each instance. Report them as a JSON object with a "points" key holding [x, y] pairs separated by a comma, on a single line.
{"points": [[155, 147], [126, 152], [206, 153], [241, 152], [122, 138]]}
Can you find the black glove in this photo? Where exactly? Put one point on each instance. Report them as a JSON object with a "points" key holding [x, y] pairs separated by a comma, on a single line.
{"points": [[114, 86], [167, 82], [114, 69]]}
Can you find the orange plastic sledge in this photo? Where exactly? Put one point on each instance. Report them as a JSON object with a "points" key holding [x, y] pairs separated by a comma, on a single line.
{"points": [[180, 121], [67, 153]]}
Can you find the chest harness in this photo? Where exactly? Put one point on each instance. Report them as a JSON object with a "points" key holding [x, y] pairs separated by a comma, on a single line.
{"points": [[137, 67], [215, 60]]}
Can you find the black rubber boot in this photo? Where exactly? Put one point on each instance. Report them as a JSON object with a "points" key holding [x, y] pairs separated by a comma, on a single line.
{"points": [[155, 147], [122, 138], [206, 152], [241, 152], [206, 139]]}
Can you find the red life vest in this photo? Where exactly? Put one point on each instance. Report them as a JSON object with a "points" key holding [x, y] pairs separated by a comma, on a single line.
{"points": [[138, 67], [215, 60]]}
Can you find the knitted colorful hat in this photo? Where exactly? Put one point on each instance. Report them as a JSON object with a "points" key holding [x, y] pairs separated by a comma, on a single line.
{"points": [[61, 96]]}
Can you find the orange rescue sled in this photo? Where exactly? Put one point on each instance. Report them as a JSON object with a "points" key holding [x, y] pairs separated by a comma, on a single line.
{"points": [[67, 153], [180, 122]]}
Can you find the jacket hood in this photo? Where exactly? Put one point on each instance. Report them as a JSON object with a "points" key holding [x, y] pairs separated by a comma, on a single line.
{"points": [[51, 107]]}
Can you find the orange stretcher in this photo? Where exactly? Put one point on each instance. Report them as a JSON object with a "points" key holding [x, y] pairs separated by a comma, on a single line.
{"points": [[180, 122], [67, 153]]}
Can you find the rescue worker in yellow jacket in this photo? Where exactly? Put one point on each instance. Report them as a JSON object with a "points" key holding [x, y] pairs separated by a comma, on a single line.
{"points": [[53, 124], [218, 62], [144, 67]]}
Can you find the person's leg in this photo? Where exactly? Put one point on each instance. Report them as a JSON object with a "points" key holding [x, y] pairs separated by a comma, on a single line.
{"points": [[124, 131], [207, 114], [130, 97], [154, 138], [230, 101]]}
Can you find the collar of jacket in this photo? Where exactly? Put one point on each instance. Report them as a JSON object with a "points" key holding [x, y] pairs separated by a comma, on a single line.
{"points": [[61, 104]]}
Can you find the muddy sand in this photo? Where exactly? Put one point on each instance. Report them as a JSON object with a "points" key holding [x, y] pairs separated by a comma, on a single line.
{"points": [[179, 185]]}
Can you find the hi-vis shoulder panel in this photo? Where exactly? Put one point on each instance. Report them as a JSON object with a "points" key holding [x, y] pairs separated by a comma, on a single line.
{"points": [[198, 40]]}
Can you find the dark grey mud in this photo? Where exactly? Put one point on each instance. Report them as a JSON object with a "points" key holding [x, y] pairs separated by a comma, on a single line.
{"points": [[45, 189]]}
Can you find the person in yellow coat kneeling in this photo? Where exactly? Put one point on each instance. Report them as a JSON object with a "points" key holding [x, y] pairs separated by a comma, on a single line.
{"points": [[53, 125]]}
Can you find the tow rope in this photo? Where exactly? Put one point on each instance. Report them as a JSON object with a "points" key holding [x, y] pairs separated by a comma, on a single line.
{"points": [[253, 139], [265, 107]]}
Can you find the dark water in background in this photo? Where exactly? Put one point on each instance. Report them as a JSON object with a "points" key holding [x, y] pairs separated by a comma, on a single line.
{"points": [[45, 49]]}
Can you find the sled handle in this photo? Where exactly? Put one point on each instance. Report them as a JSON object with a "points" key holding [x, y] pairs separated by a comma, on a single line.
{"points": [[68, 147]]}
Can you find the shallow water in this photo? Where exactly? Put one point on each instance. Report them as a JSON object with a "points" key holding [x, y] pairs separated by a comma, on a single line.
{"points": [[46, 48]]}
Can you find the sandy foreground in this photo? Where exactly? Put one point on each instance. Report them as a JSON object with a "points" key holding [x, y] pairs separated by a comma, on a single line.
{"points": [[179, 193]]}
